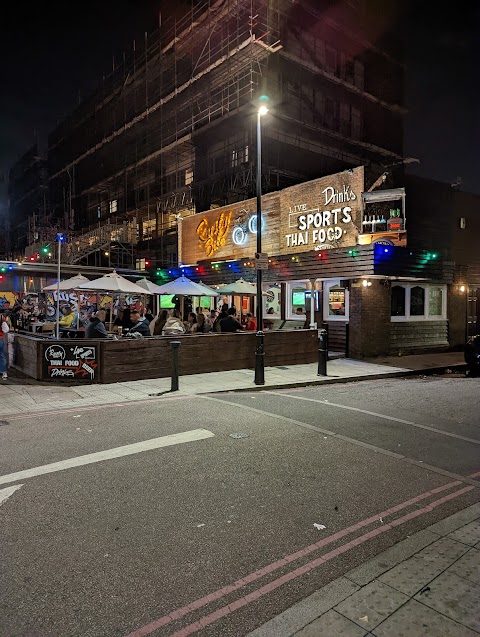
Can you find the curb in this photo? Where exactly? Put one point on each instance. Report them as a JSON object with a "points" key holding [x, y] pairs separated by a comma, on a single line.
{"points": [[430, 371]]}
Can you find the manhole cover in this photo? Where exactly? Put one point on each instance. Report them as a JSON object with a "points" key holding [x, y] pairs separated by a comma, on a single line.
{"points": [[238, 435]]}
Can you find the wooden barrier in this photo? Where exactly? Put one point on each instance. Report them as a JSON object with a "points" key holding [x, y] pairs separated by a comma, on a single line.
{"points": [[109, 361]]}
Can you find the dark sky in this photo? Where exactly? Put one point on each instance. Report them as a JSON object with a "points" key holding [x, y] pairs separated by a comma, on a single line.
{"points": [[50, 51]]}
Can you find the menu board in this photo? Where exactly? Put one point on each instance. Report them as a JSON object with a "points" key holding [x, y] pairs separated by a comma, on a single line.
{"points": [[70, 362]]}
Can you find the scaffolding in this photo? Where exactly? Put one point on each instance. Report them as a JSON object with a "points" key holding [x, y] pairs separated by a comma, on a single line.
{"points": [[169, 131]]}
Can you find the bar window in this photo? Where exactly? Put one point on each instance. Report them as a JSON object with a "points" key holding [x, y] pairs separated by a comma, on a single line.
{"points": [[272, 297], [435, 301], [417, 301], [398, 301], [299, 301], [336, 301]]}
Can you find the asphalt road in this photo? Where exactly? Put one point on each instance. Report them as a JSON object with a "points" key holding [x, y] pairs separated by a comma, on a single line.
{"points": [[116, 546]]}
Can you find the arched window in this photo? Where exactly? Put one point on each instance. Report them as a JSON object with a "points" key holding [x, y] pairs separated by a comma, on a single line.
{"points": [[417, 301]]}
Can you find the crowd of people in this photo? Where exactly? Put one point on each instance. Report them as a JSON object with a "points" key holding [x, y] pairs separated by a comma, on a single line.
{"points": [[130, 322]]}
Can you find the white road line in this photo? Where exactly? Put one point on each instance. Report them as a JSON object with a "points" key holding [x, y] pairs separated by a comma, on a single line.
{"points": [[108, 454], [6, 493], [327, 403]]}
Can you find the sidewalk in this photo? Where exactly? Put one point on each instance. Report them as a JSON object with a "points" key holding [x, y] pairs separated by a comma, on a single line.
{"points": [[425, 586], [24, 395]]}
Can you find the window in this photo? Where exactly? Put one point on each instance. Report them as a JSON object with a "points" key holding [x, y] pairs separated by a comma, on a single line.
{"points": [[330, 59], [335, 305], [188, 176], [435, 301], [149, 228], [272, 298], [398, 301], [418, 302], [239, 156], [299, 301], [112, 206]]}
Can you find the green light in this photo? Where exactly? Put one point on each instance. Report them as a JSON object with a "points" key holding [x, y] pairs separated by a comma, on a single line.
{"points": [[434, 255], [45, 249], [3, 270]]}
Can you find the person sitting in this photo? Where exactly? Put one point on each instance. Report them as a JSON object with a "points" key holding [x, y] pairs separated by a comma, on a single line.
{"points": [[230, 324], [223, 315], [251, 323], [201, 326], [160, 323], [191, 323], [67, 318], [174, 325], [140, 325], [96, 326]]}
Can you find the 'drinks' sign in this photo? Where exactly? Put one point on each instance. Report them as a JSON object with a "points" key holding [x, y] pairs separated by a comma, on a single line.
{"points": [[325, 224]]}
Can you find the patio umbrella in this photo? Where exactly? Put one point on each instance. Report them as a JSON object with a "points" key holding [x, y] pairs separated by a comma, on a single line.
{"points": [[113, 283], [67, 284], [185, 287], [151, 287], [240, 288]]}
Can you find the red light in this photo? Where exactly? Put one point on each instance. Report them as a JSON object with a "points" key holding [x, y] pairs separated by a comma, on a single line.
{"points": [[147, 263], [1, 277]]}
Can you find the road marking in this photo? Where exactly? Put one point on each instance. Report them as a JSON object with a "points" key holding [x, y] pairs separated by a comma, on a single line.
{"points": [[353, 441], [270, 568], [108, 454], [291, 575], [327, 403], [6, 493]]}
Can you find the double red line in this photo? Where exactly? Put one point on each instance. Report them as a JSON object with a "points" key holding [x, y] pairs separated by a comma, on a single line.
{"points": [[309, 566]]}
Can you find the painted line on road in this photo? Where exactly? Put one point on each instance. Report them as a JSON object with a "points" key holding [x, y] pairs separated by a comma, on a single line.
{"points": [[287, 559], [109, 454], [6, 493], [327, 403], [353, 441], [271, 586]]}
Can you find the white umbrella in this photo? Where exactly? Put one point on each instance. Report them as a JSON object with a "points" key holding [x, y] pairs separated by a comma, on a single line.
{"points": [[238, 288], [151, 287], [67, 284], [113, 283], [185, 287]]}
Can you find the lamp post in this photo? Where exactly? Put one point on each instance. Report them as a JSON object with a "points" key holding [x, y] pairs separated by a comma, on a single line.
{"points": [[259, 349], [60, 240]]}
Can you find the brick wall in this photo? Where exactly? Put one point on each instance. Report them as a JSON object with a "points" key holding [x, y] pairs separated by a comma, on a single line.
{"points": [[456, 315], [369, 320]]}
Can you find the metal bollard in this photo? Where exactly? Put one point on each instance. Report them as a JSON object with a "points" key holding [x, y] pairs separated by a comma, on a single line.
{"points": [[175, 345], [322, 352]]}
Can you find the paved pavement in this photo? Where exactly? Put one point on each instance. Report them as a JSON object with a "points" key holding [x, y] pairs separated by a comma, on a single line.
{"points": [[427, 585], [213, 514], [25, 395]]}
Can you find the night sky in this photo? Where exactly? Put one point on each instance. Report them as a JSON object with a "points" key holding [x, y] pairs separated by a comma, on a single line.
{"points": [[52, 52]]}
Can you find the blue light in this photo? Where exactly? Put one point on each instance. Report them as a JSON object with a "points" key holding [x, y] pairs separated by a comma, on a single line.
{"points": [[169, 272], [10, 267], [386, 250], [60, 237]]}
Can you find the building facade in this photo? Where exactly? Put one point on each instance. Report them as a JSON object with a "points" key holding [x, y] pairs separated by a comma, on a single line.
{"points": [[171, 131]]}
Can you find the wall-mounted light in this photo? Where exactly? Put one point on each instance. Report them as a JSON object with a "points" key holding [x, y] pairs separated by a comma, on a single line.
{"points": [[366, 283], [462, 288]]}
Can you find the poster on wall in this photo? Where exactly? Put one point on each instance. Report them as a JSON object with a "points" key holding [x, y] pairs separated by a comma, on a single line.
{"points": [[70, 362]]}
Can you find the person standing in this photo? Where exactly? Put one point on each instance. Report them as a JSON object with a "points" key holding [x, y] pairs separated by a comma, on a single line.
{"points": [[4, 329]]}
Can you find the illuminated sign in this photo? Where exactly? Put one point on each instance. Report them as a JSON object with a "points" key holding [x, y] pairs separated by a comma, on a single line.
{"points": [[215, 236]]}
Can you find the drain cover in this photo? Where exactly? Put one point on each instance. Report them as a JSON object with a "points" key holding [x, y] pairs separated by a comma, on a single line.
{"points": [[238, 435]]}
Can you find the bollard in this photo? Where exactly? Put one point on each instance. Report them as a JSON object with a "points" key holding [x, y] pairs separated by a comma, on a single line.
{"points": [[322, 352], [175, 345]]}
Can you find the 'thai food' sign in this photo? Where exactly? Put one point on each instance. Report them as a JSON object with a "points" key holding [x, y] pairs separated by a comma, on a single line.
{"points": [[317, 215]]}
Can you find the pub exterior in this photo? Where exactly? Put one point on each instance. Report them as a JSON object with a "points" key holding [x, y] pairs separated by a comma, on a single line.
{"points": [[374, 294]]}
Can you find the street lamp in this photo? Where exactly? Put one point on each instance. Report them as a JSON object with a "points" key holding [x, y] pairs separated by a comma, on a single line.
{"points": [[259, 349], [60, 239]]}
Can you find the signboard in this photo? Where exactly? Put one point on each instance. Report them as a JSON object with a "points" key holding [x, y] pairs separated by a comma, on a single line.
{"points": [[261, 261], [70, 362], [316, 215]]}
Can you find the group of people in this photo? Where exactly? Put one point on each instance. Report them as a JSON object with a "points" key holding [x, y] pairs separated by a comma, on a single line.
{"points": [[170, 323]]}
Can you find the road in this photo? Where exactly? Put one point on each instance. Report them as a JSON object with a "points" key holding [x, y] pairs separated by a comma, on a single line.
{"points": [[215, 531]]}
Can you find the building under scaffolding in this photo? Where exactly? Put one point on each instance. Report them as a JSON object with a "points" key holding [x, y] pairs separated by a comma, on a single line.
{"points": [[171, 130]]}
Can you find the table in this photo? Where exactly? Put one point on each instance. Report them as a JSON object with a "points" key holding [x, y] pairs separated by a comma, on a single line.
{"points": [[34, 327]]}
